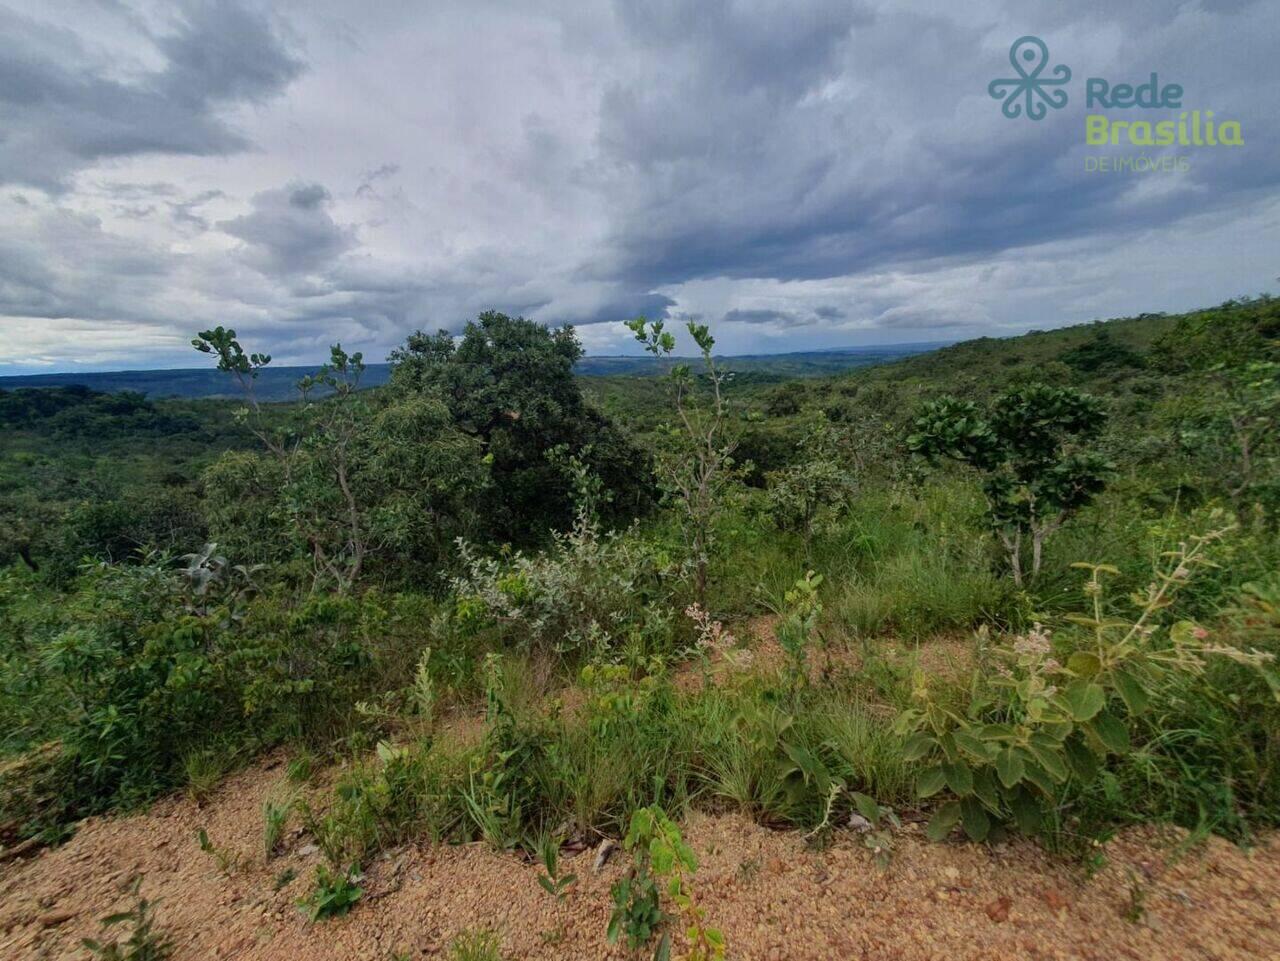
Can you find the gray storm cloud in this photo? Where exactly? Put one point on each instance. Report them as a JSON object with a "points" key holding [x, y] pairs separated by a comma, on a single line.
{"points": [[808, 175]]}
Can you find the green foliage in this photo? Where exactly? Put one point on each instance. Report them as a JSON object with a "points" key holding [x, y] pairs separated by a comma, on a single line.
{"points": [[509, 384], [275, 817], [694, 460], [1101, 353], [310, 592], [817, 483], [226, 859], [662, 861], [1041, 720], [333, 895], [1229, 427], [407, 792], [1027, 446], [146, 942], [346, 481], [797, 625], [478, 945], [552, 881], [589, 593]]}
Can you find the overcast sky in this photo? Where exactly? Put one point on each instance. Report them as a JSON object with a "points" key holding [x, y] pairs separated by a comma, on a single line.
{"points": [[798, 174]]}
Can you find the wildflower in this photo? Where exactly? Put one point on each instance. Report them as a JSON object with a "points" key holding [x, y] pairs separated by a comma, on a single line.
{"points": [[1034, 644]]}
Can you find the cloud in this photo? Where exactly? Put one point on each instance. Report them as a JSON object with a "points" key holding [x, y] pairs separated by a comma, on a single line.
{"points": [[806, 175], [290, 230], [783, 318], [64, 111], [922, 318]]}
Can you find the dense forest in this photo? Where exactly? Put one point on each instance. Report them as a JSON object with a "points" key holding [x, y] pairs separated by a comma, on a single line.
{"points": [[1085, 517]]}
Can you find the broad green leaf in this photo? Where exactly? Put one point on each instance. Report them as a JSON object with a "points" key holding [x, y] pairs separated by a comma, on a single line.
{"points": [[976, 821], [1048, 754], [930, 782], [1040, 778], [1082, 761], [943, 820], [1131, 691], [984, 788], [1027, 813], [1111, 732], [958, 776], [1084, 699], [868, 808], [917, 746], [1010, 766], [1084, 664], [973, 745]]}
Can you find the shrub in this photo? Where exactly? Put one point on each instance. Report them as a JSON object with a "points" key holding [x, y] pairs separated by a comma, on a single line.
{"points": [[1038, 723], [334, 893], [588, 595], [1028, 447], [145, 943]]}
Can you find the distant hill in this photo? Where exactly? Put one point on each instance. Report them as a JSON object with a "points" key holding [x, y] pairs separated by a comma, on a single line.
{"points": [[277, 383]]}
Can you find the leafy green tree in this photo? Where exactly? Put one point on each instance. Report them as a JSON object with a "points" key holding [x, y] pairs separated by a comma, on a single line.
{"points": [[1029, 448], [351, 479], [1237, 332], [509, 383], [818, 482], [1231, 427], [695, 455], [1102, 352]]}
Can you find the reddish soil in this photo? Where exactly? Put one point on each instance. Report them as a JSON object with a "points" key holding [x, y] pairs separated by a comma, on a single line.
{"points": [[774, 898]]}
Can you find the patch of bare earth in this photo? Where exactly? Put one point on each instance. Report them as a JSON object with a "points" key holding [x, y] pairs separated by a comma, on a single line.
{"points": [[774, 898]]}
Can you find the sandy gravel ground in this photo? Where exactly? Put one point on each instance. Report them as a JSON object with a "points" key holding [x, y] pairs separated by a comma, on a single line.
{"points": [[774, 898]]}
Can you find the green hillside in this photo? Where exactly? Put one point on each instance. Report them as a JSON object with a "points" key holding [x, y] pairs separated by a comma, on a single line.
{"points": [[807, 601]]}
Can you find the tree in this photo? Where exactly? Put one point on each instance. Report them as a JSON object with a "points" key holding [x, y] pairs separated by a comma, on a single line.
{"points": [[1028, 447], [509, 383], [352, 478], [799, 493], [695, 456], [1232, 426]]}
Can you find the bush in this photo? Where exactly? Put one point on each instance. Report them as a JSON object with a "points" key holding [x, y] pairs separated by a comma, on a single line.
{"points": [[589, 594]]}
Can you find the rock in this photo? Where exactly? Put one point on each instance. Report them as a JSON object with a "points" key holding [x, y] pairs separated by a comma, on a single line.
{"points": [[603, 853], [998, 910], [55, 918], [1055, 899]]}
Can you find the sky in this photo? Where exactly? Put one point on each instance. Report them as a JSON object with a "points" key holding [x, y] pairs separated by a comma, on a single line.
{"points": [[795, 174]]}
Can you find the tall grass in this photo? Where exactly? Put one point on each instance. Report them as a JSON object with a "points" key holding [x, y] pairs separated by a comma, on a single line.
{"points": [[913, 566]]}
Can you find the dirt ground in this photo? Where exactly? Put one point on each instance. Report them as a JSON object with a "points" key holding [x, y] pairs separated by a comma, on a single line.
{"points": [[773, 898]]}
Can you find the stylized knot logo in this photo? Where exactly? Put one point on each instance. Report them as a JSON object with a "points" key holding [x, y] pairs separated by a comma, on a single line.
{"points": [[1027, 90]]}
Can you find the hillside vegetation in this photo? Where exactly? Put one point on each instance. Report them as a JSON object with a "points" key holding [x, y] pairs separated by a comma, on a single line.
{"points": [[1026, 586]]}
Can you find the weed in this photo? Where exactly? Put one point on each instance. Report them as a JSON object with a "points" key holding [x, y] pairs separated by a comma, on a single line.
{"points": [[283, 879], [475, 945], [300, 767], [1136, 907], [334, 893], [145, 942], [661, 854], [203, 770], [1039, 723], [552, 881], [275, 816], [227, 860]]}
